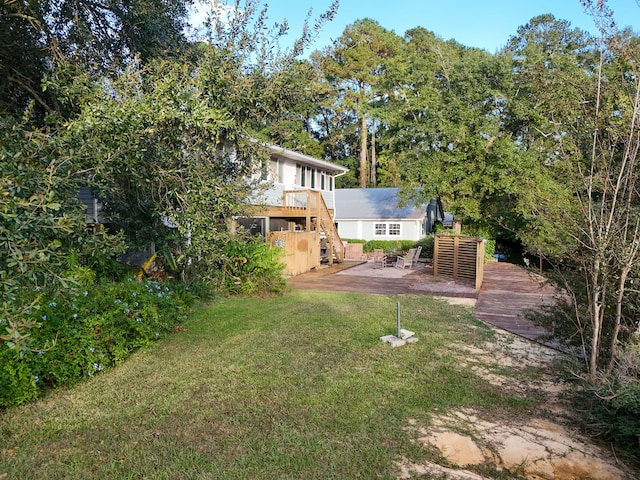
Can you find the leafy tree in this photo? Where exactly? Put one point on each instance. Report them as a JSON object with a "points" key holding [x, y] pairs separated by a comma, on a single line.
{"points": [[575, 113], [167, 144], [444, 125], [98, 37], [164, 143], [354, 67], [552, 65], [42, 226]]}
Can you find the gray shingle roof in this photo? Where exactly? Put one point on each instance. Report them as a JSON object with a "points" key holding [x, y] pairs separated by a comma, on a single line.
{"points": [[373, 204]]}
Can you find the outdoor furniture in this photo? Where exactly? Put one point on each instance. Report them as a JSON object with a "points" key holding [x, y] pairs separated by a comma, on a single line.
{"points": [[379, 258], [417, 256], [391, 260], [407, 260]]}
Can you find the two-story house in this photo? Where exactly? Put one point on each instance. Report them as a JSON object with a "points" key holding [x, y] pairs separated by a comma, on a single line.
{"points": [[297, 212]]}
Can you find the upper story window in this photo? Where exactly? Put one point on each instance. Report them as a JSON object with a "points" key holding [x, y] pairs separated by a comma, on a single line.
{"points": [[301, 177], [310, 177], [276, 170]]}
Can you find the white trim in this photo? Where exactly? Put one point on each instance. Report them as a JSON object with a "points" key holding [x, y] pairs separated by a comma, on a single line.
{"points": [[306, 159]]}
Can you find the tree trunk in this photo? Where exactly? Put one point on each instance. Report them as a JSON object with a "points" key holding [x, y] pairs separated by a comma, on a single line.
{"points": [[618, 320], [373, 180], [363, 152], [598, 295]]}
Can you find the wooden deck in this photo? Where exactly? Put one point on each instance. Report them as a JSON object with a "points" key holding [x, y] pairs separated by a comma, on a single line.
{"points": [[507, 291], [326, 279]]}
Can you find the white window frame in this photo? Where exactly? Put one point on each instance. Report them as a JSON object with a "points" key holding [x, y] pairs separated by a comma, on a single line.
{"points": [[394, 229], [387, 229]]}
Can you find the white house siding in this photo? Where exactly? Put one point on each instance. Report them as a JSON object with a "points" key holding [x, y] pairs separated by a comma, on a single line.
{"points": [[365, 229], [285, 174]]}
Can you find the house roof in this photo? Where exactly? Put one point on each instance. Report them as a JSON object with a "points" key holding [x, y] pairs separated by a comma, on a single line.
{"points": [[277, 151], [374, 204]]}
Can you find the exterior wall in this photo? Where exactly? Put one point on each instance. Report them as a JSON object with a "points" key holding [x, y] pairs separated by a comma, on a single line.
{"points": [[93, 206], [365, 229]]}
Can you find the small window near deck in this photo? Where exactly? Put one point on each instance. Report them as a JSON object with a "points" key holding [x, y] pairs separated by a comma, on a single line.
{"points": [[394, 229], [380, 228]]}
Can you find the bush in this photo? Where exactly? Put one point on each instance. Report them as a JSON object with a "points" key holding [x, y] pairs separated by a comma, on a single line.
{"points": [[251, 267], [389, 246], [489, 249], [92, 328], [427, 244], [353, 240], [610, 410]]}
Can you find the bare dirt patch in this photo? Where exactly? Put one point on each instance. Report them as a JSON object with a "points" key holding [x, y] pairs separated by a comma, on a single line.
{"points": [[542, 447]]}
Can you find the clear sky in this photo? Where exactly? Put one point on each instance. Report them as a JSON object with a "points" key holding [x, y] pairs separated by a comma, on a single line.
{"points": [[486, 24]]}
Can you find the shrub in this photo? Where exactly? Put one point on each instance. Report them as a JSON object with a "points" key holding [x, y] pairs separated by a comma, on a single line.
{"points": [[389, 246], [610, 408], [92, 328], [251, 267], [427, 246], [353, 240], [489, 249]]}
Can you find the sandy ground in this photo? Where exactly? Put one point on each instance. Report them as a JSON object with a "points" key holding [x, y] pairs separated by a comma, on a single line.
{"points": [[545, 446]]}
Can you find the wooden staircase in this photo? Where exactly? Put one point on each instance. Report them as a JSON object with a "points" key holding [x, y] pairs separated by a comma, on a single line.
{"points": [[311, 204]]}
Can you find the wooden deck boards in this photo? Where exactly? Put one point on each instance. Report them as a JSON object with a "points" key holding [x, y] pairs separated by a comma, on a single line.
{"points": [[506, 293]]}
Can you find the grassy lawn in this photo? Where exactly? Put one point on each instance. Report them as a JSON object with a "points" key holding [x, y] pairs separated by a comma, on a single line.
{"points": [[292, 387]]}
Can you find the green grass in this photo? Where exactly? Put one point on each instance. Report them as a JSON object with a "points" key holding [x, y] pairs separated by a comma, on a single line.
{"points": [[291, 387]]}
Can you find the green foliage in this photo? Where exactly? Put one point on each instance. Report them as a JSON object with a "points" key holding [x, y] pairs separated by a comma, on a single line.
{"points": [[427, 244], [42, 226], [388, 246], [610, 411], [354, 240], [489, 249], [87, 330], [40, 37], [19, 386], [251, 267], [355, 68]]}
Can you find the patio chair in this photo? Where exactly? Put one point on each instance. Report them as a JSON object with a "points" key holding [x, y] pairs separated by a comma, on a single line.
{"points": [[379, 258], [407, 260], [416, 257]]}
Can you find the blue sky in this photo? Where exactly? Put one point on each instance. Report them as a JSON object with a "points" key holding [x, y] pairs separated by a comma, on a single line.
{"points": [[486, 24]]}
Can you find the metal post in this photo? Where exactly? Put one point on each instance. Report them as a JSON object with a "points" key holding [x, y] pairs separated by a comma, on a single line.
{"points": [[398, 334]]}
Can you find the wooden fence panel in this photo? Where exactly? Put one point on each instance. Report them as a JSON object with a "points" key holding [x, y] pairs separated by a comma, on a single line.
{"points": [[459, 257]]}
